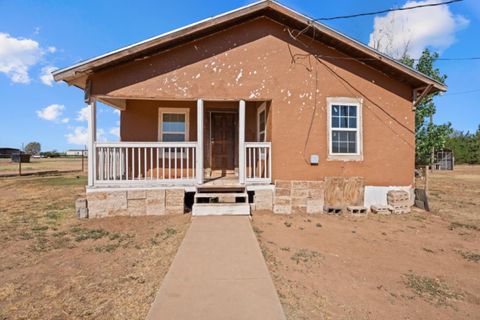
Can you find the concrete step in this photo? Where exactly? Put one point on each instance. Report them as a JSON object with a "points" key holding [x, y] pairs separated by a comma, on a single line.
{"points": [[221, 189], [221, 197], [220, 209], [214, 195]]}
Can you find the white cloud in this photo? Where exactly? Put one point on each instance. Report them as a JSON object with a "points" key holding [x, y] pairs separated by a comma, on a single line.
{"points": [[116, 111], [46, 76], [82, 114], [52, 112], [65, 120], [411, 31], [101, 135], [17, 55], [79, 136], [115, 132]]}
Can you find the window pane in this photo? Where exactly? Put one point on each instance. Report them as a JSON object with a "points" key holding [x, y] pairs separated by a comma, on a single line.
{"points": [[335, 110], [335, 148], [173, 122], [352, 147], [352, 112], [262, 136], [352, 122], [335, 136], [262, 120], [344, 111], [351, 136], [169, 137], [343, 147], [335, 122], [344, 122]]}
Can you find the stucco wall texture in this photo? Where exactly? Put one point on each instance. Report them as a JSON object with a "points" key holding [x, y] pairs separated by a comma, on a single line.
{"points": [[260, 61]]}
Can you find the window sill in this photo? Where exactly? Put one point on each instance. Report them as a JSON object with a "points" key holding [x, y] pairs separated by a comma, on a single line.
{"points": [[345, 157]]}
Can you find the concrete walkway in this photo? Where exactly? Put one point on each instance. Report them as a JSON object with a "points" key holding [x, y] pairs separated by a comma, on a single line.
{"points": [[218, 273]]}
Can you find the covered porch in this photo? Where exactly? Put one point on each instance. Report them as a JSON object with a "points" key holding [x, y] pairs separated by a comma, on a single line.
{"points": [[187, 144]]}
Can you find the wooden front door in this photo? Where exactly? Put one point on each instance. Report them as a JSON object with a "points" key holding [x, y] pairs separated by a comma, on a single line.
{"points": [[222, 141]]}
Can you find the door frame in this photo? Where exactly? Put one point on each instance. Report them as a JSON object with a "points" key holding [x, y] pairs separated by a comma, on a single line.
{"points": [[235, 142]]}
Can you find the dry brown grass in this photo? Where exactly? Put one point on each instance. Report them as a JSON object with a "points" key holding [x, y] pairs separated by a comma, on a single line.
{"points": [[414, 266], [40, 165], [53, 266]]}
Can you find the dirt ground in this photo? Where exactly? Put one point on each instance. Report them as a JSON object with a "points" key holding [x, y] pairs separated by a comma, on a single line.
{"points": [[414, 266], [53, 266], [43, 164]]}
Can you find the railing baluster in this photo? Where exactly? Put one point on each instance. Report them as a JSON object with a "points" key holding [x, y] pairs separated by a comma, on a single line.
{"points": [[145, 163], [187, 163], [181, 163], [114, 158], [163, 163], [254, 163], [126, 163], [139, 161], [108, 164], [169, 163], [175, 155], [194, 167], [260, 162], [156, 156], [151, 163], [133, 163]]}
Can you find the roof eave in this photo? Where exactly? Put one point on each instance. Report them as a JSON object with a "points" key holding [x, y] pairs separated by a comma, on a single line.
{"points": [[70, 73]]}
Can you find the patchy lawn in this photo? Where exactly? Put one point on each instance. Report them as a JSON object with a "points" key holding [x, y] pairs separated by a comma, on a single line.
{"points": [[53, 266], [414, 266]]}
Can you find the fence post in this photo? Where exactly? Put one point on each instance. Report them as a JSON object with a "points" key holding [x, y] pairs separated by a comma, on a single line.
{"points": [[426, 179]]}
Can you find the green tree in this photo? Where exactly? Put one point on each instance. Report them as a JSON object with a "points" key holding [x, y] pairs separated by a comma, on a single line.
{"points": [[428, 136], [465, 146], [33, 148]]}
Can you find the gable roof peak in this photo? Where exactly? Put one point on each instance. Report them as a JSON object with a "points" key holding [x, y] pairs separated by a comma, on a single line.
{"points": [[270, 8]]}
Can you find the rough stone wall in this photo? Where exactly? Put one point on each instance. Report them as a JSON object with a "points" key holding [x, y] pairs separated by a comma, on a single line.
{"points": [[263, 200], [135, 202], [298, 197]]}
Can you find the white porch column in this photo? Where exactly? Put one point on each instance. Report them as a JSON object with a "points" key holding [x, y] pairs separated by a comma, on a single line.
{"points": [[92, 138], [241, 142], [199, 157]]}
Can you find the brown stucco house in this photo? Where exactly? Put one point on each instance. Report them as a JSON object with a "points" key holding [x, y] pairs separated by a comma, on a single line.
{"points": [[260, 108]]}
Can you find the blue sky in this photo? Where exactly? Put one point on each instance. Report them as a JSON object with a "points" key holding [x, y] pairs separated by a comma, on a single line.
{"points": [[36, 36]]}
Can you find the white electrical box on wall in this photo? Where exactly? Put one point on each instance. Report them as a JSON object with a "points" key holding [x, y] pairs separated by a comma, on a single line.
{"points": [[314, 159]]}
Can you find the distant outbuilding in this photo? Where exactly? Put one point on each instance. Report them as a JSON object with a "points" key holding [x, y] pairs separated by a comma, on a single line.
{"points": [[20, 156], [8, 152], [76, 153], [444, 160]]}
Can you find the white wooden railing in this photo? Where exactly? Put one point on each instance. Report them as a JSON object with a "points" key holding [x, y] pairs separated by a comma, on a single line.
{"points": [[140, 162], [258, 162]]}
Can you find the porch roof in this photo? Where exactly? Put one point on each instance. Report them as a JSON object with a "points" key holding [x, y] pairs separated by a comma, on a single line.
{"points": [[77, 74]]}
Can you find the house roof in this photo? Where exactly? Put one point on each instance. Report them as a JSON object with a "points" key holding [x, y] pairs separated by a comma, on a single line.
{"points": [[78, 73]]}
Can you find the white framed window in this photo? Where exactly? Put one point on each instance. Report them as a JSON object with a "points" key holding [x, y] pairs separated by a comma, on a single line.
{"points": [[344, 128], [173, 124], [262, 123]]}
